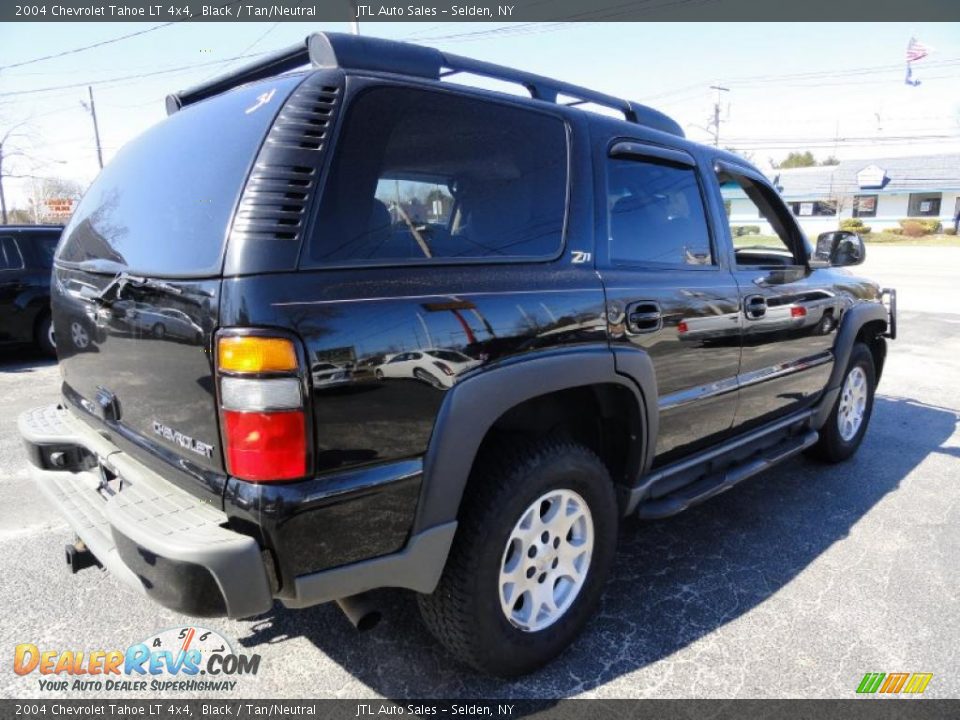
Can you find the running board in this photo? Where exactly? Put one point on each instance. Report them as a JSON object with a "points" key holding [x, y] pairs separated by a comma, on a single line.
{"points": [[716, 483]]}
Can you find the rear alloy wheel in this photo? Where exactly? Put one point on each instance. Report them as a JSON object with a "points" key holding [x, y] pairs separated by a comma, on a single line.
{"points": [[79, 336], [546, 560], [844, 430], [534, 545]]}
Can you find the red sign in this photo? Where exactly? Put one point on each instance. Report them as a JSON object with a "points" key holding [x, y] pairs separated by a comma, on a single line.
{"points": [[59, 206]]}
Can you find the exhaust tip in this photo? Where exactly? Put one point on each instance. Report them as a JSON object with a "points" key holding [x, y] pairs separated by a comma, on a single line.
{"points": [[360, 610]]}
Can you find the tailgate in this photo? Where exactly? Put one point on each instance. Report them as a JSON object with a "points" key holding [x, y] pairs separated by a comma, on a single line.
{"points": [[137, 280], [142, 365]]}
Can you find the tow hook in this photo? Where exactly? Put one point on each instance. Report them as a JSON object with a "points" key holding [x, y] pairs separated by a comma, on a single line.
{"points": [[79, 557]]}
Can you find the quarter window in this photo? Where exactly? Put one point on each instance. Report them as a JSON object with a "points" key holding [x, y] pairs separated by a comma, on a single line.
{"points": [[656, 214], [421, 176], [10, 258]]}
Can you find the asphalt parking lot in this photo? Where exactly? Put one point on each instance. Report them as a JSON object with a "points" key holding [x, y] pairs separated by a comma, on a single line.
{"points": [[794, 584]]}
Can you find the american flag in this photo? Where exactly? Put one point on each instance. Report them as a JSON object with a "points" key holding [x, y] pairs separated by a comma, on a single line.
{"points": [[916, 50]]}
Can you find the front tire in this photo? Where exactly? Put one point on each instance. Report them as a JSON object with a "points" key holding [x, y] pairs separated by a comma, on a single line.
{"points": [[844, 430], [534, 546]]}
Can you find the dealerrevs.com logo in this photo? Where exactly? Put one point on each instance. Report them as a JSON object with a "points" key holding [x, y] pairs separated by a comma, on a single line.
{"points": [[179, 659]]}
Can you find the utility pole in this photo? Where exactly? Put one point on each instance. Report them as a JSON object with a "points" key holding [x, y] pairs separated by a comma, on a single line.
{"points": [[96, 128], [716, 114]]}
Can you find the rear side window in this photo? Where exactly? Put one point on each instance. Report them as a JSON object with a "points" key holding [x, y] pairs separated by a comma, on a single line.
{"points": [[656, 214], [10, 258], [164, 204], [422, 176]]}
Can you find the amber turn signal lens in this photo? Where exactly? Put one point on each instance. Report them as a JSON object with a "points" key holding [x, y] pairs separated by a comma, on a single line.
{"points": [[254, 354]]}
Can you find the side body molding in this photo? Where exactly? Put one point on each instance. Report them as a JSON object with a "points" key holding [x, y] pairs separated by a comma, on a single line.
{"points": [[850, 325], [472, 406]]}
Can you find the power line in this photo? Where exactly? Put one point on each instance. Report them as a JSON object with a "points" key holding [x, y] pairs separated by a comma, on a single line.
{"points": [[88, 47], [122, 78], [102, 43]]}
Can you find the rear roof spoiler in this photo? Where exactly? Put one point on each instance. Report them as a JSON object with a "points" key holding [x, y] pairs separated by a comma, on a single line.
{"points": [[360, 52]]}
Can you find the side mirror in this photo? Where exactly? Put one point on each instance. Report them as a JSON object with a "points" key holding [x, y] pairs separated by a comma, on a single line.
{"points": [[840, 248]]}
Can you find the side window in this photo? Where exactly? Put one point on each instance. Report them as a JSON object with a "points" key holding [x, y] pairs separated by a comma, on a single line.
{"points": [[656, 214], [10, 258], [421, 176], [758, 229]]}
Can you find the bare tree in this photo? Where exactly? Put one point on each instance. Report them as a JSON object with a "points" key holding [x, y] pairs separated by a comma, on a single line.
{"points": [[52, 188], [10, 142]]}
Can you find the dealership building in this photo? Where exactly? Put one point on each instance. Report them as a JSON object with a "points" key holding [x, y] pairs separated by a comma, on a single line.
{"points": [[881, 191]]}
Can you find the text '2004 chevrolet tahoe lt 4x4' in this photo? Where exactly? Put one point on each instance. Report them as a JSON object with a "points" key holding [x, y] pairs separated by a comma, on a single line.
{"points": [[353, 326]]}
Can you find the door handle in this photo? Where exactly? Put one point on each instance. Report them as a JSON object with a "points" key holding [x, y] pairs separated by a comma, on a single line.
{"points": [[754, 307], [644, 317]]}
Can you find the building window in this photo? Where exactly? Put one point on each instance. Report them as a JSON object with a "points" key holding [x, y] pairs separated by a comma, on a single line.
{"points": [[814, 208], [924, 204], [865, 206]]}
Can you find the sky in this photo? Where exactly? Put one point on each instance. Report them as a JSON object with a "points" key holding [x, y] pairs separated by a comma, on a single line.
{"points": [[832, 88]]}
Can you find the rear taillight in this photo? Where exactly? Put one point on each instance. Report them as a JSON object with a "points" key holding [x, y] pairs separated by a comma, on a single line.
{"points": [[263, 418]]}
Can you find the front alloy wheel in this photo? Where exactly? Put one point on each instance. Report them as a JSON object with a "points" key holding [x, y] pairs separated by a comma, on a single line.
{"points": [[843, 432], [853, 403]]}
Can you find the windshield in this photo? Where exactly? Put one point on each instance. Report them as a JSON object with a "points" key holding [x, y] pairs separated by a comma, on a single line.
{"points": [[163, 206]]}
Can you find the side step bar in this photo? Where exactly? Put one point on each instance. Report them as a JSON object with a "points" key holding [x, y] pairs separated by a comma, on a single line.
{"points": [[718, 482]]}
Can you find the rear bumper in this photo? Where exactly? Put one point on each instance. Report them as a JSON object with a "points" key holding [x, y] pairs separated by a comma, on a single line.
{"points": [[155, 537], [177, 548]]}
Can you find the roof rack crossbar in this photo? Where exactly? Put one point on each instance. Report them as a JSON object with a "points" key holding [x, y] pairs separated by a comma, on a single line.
{"points": [[356, 52]]}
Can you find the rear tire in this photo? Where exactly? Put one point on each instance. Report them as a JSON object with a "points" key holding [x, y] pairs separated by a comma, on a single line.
{"points": [[844, 430], [45, 338], [513, 554]]}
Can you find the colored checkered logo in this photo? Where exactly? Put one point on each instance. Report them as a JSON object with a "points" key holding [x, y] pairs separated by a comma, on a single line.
{"points": [[894, 683]]}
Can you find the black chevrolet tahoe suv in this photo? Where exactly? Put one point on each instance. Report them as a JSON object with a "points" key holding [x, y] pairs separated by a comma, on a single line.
{"points": [[26, 256], [428, 336]]}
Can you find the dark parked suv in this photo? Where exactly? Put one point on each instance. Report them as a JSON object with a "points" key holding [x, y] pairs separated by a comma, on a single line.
{"points": [[26, 256], [528, 322]]}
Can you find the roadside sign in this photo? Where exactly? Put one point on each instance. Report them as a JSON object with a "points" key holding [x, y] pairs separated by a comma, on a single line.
{"points": [[59, 206]]}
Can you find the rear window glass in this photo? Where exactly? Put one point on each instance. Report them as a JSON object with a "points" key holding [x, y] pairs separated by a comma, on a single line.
{"points": [[163, 205], [422, 176]]}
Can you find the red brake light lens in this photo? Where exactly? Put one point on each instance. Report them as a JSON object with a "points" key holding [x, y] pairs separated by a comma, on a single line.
{"points": [[265, 446], [798, 311]]}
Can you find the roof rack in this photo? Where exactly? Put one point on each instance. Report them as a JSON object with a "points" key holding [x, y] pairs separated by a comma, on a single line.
{"points": [[357, 52]]}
